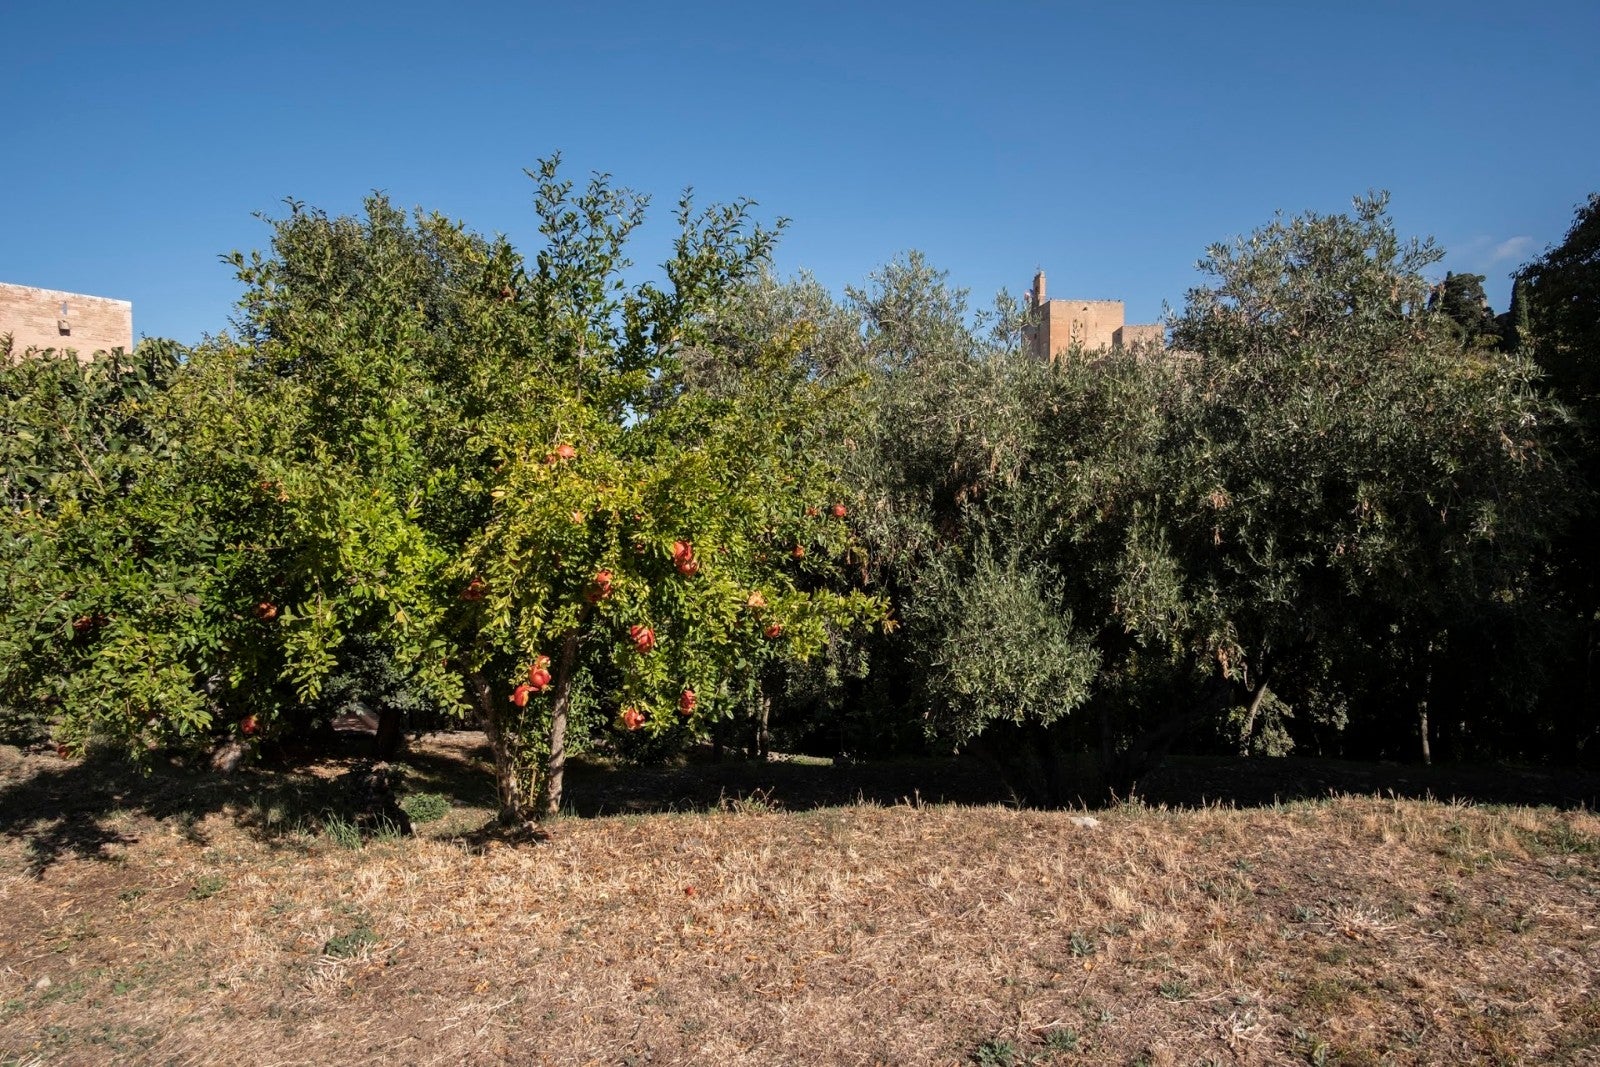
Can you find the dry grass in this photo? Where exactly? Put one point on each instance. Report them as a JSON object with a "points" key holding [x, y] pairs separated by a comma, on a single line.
{"points": [[1343, 931]]}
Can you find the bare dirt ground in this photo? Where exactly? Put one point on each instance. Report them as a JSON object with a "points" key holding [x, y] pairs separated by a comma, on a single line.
{"points": [[187, 920]]}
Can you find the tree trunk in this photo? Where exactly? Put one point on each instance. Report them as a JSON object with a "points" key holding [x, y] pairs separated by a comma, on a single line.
{"points": [[763, 714], [1422, 706], [1422, 728], [390, 738], [513, 801], [556, 770], [1250, 715]]}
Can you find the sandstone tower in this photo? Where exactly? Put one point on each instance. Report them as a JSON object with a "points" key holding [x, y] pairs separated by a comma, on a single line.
{"points": [[1058, 325], [49, 318]]}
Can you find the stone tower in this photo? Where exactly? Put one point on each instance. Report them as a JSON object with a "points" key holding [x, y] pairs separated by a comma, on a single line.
{"points": [[1092, 325]]}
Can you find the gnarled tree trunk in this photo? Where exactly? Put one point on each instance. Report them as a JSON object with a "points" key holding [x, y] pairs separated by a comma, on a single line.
{"points": [[514, 805], [556, 771], [1250, 715]]}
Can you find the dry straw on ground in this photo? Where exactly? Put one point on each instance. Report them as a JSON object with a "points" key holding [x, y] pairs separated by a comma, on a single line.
{"points": [[1344, 931]]}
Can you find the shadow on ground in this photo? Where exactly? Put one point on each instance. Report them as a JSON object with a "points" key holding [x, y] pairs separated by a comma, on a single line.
{"points": [[77, 807]]}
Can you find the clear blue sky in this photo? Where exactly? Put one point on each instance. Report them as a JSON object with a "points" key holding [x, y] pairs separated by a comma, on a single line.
{"points": [[1107, 142]]}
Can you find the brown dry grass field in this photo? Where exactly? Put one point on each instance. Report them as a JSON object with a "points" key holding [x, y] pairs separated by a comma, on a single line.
{"points": [[180, 919]]}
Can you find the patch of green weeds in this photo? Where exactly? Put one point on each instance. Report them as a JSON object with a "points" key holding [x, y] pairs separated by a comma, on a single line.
{"points": [[350, 943], [1174, 989], [341, 832], [995, 1052], [1313, 1048], [207, 886], [1064, 1039], [426, 807], [1561, 839]]}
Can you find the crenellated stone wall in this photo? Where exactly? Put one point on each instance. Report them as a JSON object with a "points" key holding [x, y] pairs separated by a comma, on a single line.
{"points": [[50, 318]]}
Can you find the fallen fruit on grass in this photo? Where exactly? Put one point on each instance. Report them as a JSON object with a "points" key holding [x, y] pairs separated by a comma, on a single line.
{"points": [[632, 718]]}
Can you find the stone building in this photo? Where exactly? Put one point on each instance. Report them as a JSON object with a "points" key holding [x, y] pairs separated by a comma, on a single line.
{"points": [[49, 318], [1058, 325]]}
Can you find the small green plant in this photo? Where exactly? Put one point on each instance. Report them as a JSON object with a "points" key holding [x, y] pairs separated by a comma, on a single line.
{"points": [[995, 1053], [426, 807], [1174, 989], [345, 945], [1062, 1040], [759, 802], [341, 832], [1313, 1048], [1082, 944], [207, 885]]}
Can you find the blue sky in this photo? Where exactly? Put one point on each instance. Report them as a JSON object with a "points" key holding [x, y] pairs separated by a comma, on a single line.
{"points": [[1106, 142]]}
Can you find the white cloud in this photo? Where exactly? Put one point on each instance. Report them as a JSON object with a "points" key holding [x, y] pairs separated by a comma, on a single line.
{"points": [[1515, 248]]}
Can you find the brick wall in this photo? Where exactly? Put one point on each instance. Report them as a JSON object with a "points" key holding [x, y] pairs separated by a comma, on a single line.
{"points": [[49, 318]]}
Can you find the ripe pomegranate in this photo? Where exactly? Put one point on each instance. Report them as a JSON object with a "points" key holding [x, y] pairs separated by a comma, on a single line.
{"points": [[538, 678], [519, 695], [682, 550], [774, 631], [600, 588], [840, 511], [83, 624], [249, 725], [506, 293], [266, 611], [756, 600], [689, 567], [799, 552], [644, 638], [475, 589], [686, 703], [565, 451], [632, 718]]}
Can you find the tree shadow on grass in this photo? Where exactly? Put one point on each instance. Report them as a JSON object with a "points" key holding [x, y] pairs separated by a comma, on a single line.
{"points": [[61, 808], [79, 808]]}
